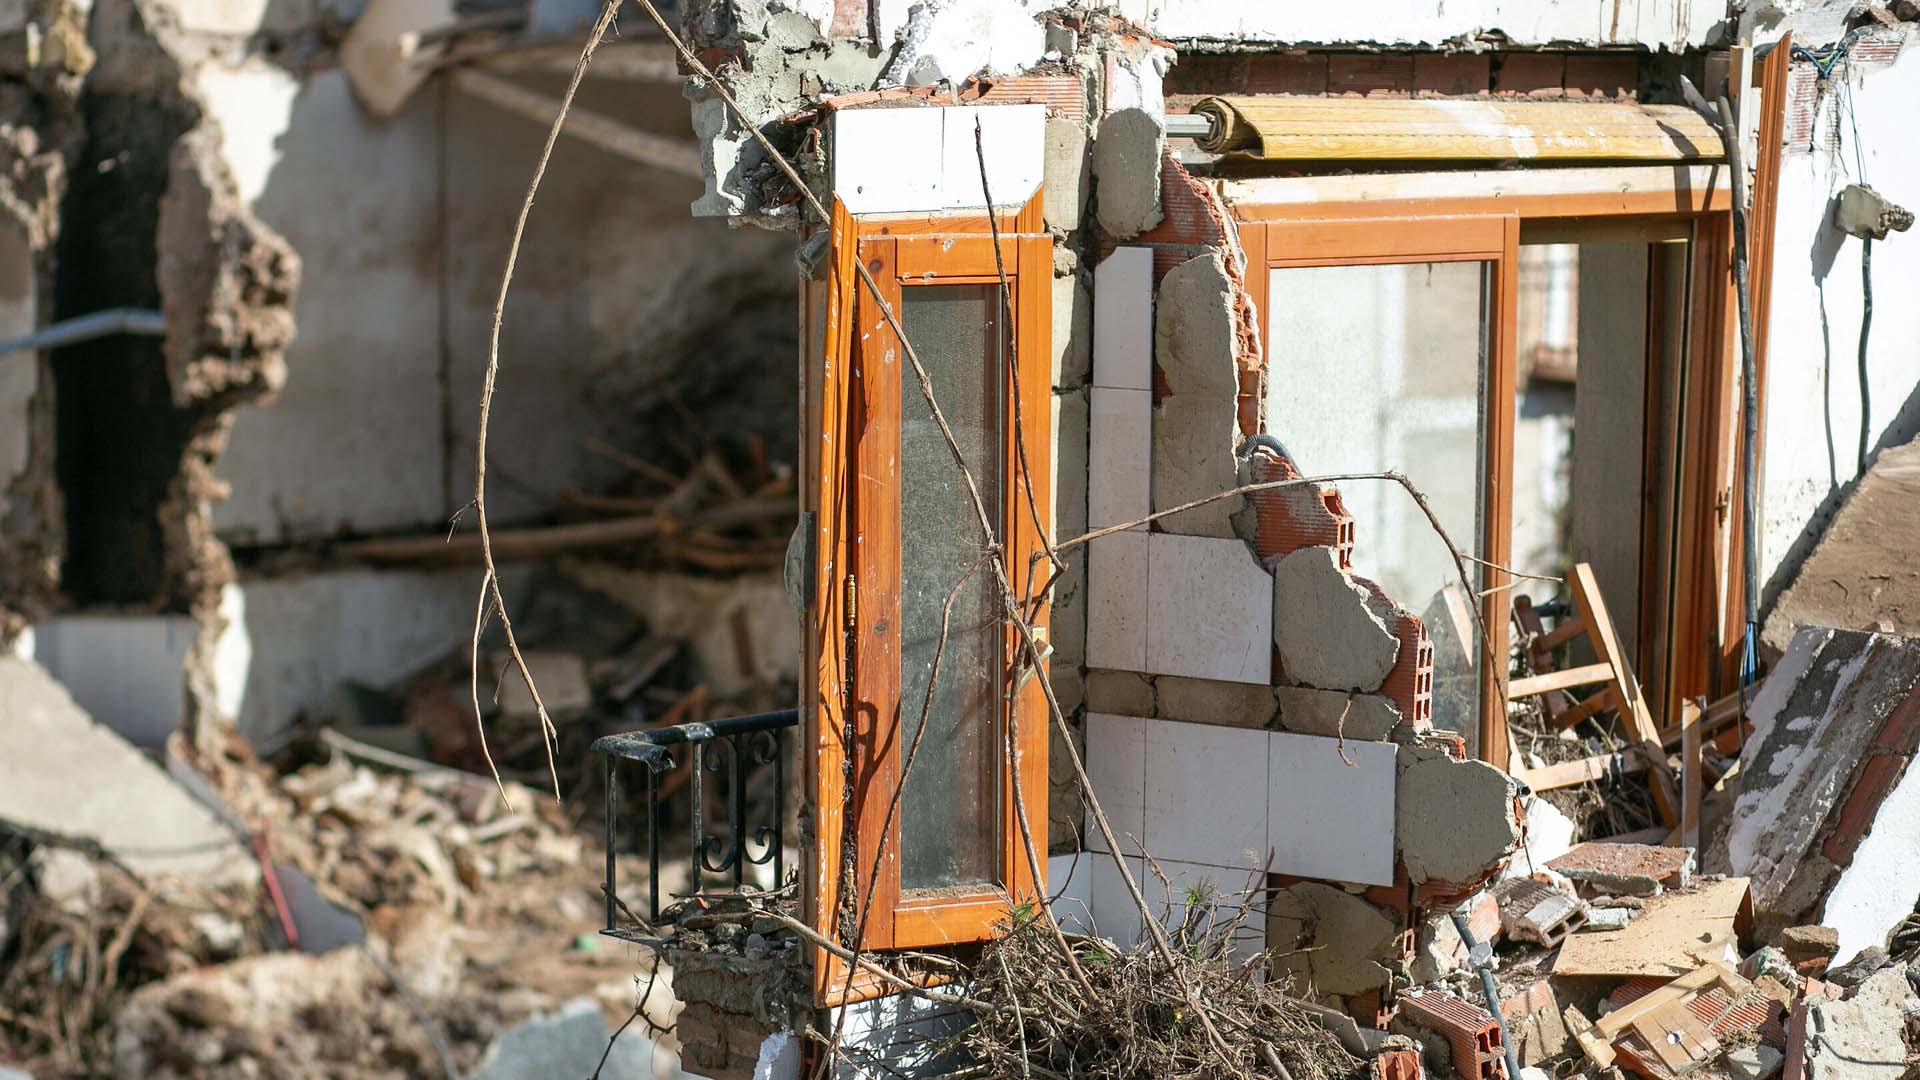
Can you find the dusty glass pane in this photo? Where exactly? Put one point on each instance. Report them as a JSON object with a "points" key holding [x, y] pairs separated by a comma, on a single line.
{"points": [[949, 805], [1376, 368]]}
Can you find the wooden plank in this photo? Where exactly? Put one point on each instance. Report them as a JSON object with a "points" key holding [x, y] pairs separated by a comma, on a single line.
{"points": [[1496, 741], [1691, 781], [1559, 680], [1568, 773], [1622, 1019], [1586, 594], [1673, 935], [1606, 700], [1542, 658], [1568, 630], [1598, 1050]]}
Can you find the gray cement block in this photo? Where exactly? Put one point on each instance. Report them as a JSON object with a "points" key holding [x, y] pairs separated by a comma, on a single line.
{"points": [[1072, 330], [1121, 693], [1193, 444], [1068, 181], [1208, 701], [1368, 717], [1126, 170], [1329, 940], [1329, 628], [1194, 333], [1455, 818]]}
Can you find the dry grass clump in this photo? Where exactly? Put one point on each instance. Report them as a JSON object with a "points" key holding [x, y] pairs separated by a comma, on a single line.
{"points": [[1137, 1022]]}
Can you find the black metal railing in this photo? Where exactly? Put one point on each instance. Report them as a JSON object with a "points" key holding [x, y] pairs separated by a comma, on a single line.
{"points": [[751, 740]]}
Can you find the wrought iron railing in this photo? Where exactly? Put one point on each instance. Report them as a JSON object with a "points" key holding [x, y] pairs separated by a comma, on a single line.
{"points": [[751, 740]]}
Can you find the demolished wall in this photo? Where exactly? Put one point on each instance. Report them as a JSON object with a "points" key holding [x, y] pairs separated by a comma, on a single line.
{"points": [[43, 59]]}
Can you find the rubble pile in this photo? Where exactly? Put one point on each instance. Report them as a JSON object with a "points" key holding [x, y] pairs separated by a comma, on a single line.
{"points": [[390, 923]]}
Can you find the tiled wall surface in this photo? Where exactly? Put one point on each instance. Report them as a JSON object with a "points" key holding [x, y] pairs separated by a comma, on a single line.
{"points": [[1222, 804]]}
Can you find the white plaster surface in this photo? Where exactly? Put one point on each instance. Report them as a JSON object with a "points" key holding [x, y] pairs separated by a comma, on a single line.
{"points": [[290, 642], [127, 671], [1115, 915], [1117, 767], [1204, 793], [968, 37], [1879, 887], [1813, 408], [870, 145], [66, 773], [1118, 585], [1330, 808], [1120, 457], [1123, 320], [1209, 610], [1652, 23], [252, 101]]}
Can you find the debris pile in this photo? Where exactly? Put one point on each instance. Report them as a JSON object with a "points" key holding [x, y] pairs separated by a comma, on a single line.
{"points": [[387, 923]]}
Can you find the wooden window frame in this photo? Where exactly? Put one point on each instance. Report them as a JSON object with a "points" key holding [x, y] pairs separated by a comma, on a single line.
{"points": [[850, 419], [1417, 227]]}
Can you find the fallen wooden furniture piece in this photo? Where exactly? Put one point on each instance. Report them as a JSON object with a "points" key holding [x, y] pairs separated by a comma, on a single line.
{"points": [[1620, 691]]}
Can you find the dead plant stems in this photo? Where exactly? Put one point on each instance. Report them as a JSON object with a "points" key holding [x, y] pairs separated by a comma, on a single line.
{"points": [[490, 581]]}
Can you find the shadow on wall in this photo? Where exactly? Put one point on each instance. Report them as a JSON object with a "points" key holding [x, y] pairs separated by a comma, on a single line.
{"points": [[628, 321], [1823, 255]]}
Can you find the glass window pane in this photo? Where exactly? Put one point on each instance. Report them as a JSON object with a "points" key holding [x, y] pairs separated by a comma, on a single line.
{"points": [[949, 809], [1377, 368]]}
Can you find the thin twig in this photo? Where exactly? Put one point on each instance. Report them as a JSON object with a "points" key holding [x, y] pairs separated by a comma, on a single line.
{"points": [[549, 734]]}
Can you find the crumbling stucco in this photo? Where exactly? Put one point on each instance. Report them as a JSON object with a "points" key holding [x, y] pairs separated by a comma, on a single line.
{"points": [[1334, 712], [1456, 819], [1196, 421], [1329, 627], [1329, 940]]}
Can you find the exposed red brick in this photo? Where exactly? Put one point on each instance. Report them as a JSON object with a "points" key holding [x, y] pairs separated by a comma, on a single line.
{"points": [[1602, 75], [1531, 74], [1710, 1006], [1471, 1032], [1796, 134], [1063, 95], [1398, 1065], [1452, 74], [1885, 762], [1287, 73], [1370, 74], [1291, 518], [849, 19], [1199, 76], [1410, 684], [1654, 866], [1537, 997]]}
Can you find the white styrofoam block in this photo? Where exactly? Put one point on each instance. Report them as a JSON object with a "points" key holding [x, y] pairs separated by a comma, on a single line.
{"points": [[918, 160], [1209, 610], [883, 159], [1123, 320], [1115, 915], [1206, 793], [1119, 456], [1325, 818], [1070, 889], [1117, 589], [1879, 887], [1013, 143], [1117, 767]]}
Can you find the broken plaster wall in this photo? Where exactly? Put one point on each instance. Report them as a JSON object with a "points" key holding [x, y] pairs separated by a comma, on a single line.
{"points": [[1815, 416], [43, 59]]}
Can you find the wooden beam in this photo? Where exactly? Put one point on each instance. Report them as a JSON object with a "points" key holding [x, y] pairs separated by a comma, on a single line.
{"points": [[1598, 767], [1559, 680], [1633, 705]]}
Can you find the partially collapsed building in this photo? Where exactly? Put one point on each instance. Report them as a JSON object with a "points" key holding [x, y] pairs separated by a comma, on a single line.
{"points": [[1314, 490]]}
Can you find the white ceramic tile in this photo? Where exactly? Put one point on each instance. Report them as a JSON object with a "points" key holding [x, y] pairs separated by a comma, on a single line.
{"points": [[1117, 587], [1119, 457], [1206, 793], [1210, 610], [869, 149], [1115, 915], [1117, 766], [1123, 320], [1070, 885], [1326, 819], [1014, 138]]}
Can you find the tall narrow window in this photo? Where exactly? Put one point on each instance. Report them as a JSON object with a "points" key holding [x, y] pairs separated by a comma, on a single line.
{"points": [[929, 728]]}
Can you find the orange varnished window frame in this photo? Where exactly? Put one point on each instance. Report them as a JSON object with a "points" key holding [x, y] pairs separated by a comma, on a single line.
{"points": [[850, 422], [1706, 537]]}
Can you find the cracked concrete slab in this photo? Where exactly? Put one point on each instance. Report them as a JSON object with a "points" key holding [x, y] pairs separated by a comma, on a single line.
{"points": [[1329, 628], [1456, 818], [1367, 717]]}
